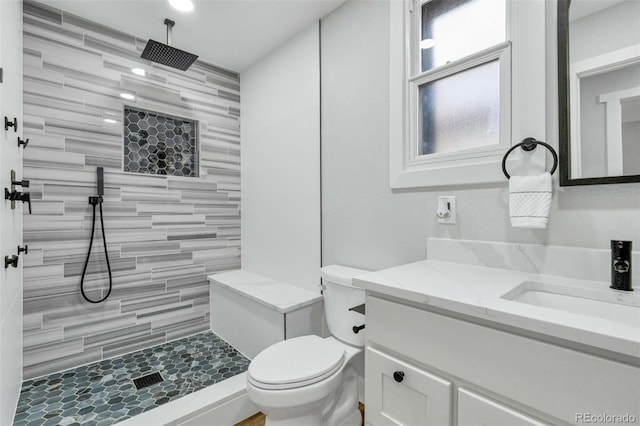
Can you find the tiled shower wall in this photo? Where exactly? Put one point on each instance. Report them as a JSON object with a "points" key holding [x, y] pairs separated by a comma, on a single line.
{"points": [[164, 234]]}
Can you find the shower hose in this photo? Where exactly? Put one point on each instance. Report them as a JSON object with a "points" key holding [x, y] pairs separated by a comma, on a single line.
{"points": [[93, 201]]}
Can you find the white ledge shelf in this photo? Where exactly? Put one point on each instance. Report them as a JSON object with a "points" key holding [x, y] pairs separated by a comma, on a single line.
{"points": [[276, 295]]}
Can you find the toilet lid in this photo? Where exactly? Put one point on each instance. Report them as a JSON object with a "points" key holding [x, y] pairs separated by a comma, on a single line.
{"points": [[296, 362]]}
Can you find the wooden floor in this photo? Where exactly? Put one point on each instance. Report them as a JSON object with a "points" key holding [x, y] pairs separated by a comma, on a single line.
{"points": [[258, 419], [255, 420]]}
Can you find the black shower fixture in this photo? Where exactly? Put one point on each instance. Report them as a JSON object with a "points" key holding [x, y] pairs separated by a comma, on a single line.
{"points": [[97, 201], [165, 54]]}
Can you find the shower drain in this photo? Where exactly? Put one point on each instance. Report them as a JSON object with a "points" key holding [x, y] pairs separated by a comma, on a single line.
{"points": [[148, 380]]}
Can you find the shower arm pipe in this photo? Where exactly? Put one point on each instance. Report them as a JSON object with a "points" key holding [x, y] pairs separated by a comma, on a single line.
{"points": [[169, 23]]}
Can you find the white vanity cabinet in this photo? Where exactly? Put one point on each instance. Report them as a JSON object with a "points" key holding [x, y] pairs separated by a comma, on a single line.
{"points": [[403, 394], [460, 373], [475, 409], [399, 393]]}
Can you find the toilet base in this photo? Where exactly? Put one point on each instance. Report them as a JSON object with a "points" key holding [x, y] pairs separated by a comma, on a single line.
{"points": [[353, 419], [338, 409], [333, 401], [307, 420]]}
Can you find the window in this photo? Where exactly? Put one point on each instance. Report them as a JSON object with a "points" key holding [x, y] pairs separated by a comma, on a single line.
{"points": [[455, 78], [456, 67]]}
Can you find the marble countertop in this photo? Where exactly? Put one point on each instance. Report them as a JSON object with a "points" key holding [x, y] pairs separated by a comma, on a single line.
{"points": [[476, 291]]}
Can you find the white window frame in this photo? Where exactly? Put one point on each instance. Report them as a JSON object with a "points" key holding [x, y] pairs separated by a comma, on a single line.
{"points": [[522, 111]]}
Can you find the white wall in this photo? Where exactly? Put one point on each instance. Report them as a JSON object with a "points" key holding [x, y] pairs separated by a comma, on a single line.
{"points": [[367, 225], [10, 220], [280, 139], [600, 32]]}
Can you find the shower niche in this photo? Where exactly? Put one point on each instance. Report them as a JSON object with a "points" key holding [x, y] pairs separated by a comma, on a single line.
{"points": [[159, 144]]}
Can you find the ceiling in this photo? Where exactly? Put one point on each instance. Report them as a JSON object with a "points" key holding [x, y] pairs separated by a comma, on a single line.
{"points": [[581, 8], [229, 33]]}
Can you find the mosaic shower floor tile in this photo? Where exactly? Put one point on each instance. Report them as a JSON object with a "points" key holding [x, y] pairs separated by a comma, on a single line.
{"points": [[104, 393]]}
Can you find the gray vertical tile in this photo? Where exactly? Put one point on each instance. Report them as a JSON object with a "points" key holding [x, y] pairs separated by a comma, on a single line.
{"points": [[163, 234]]}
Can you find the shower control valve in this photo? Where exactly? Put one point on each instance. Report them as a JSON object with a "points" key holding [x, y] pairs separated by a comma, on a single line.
{"points": [[14, 196], [26, 198], [23, 183]]}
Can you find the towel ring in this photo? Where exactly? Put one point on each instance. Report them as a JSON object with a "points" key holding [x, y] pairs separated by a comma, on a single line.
{"points": [[529, 144]]}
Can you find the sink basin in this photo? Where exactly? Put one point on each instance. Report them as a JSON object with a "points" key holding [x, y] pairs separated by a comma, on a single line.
{"points": [[601, 303]]}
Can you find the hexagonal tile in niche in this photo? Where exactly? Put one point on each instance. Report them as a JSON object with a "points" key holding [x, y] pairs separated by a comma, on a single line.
{"points": [[156, 138]]}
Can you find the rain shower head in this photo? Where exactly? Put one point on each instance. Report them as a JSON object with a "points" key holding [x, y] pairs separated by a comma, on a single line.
{"points": [[165, 54]]}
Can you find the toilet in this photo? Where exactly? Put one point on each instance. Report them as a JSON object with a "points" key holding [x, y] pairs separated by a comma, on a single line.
{"points": [[310, 380]]}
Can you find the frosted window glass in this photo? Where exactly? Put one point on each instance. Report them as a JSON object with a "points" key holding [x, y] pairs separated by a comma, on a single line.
{"points": [[460, 111], [453, 29]]}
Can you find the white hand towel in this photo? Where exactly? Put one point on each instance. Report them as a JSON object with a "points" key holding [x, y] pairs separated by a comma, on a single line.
{"points": [[530, 200]]}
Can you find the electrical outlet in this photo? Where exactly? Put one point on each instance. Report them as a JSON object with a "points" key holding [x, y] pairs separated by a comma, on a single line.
{"points": [[446, 209]]}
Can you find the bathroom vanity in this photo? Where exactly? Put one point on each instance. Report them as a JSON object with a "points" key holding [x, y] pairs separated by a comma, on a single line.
{"points": [[467, 344]]}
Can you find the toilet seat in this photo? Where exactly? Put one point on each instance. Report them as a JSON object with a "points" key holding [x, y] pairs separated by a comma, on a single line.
{"points": [[295, 363]]}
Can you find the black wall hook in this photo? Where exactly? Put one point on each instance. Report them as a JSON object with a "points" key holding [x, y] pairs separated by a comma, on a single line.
{"points": [[13, 123], [24, 142], [529, 144], [11, 261]]}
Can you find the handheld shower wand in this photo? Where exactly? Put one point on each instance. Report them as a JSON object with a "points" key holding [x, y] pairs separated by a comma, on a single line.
{"points": [[97, 201], [100, 171]]}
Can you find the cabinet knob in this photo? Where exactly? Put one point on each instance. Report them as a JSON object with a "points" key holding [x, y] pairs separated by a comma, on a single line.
{"points": [[398, 376]]}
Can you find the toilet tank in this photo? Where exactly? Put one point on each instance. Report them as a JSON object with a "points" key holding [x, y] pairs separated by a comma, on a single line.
{"points": [[339, 296]]}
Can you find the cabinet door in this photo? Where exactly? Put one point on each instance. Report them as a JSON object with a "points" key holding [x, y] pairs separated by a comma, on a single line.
{"points": [[413, 398], [476, 410]]}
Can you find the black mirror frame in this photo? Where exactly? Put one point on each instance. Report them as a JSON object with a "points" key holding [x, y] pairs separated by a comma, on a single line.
{"points": [[564, 141]]}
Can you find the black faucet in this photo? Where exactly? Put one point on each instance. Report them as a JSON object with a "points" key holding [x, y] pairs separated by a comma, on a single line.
{"points": [[621, 265], [14, 196]]}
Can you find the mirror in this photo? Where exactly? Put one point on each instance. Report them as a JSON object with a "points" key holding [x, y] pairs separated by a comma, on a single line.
{"points": [[599, 91]]}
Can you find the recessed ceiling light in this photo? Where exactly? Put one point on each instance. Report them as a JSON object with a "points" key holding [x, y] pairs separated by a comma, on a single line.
{"points": [[110, 121], [139, 71], [427, 43], [182, 5], [127, 96]]}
